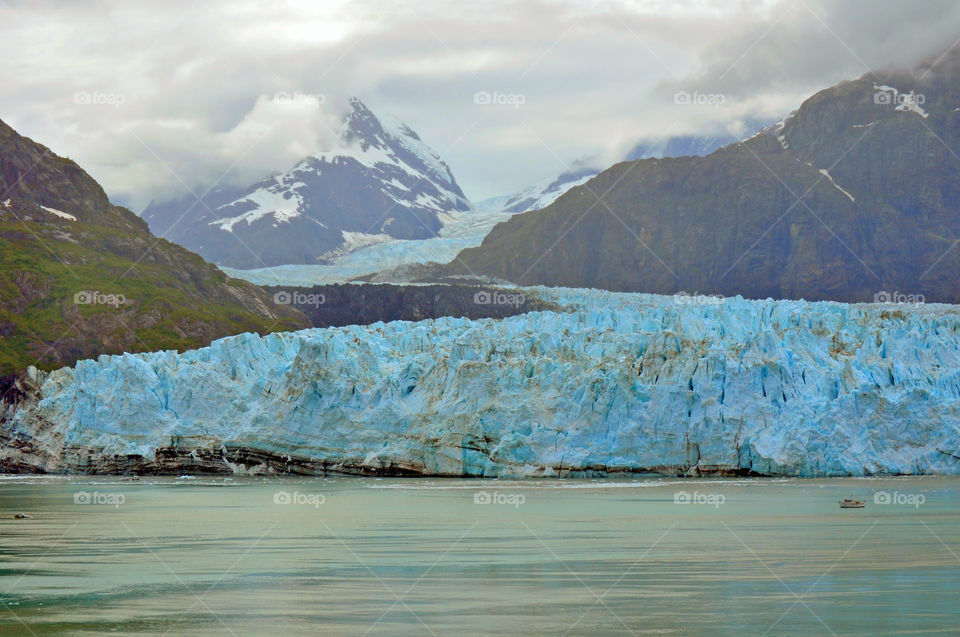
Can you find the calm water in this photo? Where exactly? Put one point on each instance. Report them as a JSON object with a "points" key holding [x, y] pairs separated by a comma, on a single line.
{"points": [[214, 556]]}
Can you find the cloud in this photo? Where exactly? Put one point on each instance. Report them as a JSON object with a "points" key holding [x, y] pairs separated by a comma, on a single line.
{"points": [[183, 94], [814, 43]]}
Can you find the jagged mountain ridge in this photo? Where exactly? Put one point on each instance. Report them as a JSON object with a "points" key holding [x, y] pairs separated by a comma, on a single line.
{"points": [[879, 210], [380, 182], [542, 194]]}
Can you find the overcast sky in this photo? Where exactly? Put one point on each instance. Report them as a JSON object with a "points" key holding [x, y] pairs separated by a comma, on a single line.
{"points": [[152, 97]]}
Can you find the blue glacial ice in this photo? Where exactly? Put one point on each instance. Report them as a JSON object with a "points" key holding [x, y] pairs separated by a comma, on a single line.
{"points": [[461, 230], [619, 382]]}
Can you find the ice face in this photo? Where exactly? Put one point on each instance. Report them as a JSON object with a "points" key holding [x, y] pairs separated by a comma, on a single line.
{"points": [[621, 381]]}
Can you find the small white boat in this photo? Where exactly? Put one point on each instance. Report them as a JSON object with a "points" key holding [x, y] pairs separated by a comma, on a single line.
{"points": [[850, 503]]}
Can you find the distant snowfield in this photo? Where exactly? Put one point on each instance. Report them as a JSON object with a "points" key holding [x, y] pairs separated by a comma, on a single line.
{"points": [[461, 230]]}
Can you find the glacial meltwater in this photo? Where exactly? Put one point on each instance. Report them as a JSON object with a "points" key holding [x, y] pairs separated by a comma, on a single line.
{"points": [[364, 556]]}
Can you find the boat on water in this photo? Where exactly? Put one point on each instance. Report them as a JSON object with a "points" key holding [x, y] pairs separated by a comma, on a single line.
{"points": [[850, 503]]}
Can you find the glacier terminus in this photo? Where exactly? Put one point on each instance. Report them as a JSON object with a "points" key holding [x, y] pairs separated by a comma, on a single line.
{"points": [[613, 383]]}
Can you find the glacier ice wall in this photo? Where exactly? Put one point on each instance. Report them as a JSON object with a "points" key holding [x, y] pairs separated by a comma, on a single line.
{"points": [[620, 382]]}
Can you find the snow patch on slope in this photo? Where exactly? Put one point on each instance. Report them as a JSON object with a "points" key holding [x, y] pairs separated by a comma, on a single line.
{"points": [[279, 201], [59, 213], [823, 171], [905, 102], [777, 130]]}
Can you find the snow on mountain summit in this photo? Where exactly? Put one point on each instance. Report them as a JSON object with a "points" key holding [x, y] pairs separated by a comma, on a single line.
{"points": [[379, 181]]}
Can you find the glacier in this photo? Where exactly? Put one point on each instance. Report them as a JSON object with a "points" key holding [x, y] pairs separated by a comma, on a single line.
{"points": [[461, 230], [615, 383]]}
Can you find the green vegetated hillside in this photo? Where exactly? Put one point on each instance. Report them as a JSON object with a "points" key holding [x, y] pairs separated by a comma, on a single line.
{"points": [[80, 277]]}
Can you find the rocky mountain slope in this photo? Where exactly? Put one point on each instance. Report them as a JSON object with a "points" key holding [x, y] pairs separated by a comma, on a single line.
{"points": [[615, 383], [543, 194], [352, 304], [82, 277], [856, 194], [380, 183]]}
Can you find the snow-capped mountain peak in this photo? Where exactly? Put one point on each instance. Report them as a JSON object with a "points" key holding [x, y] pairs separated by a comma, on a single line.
{"points": [[396, 152], [379, 181]]}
